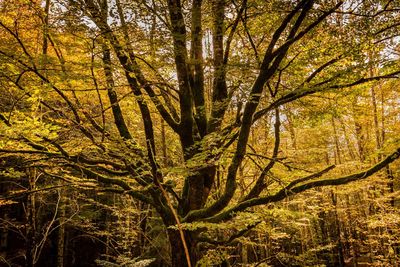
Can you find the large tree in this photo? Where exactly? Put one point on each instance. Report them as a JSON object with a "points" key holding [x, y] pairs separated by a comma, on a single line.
{"points": [[211, 71]]}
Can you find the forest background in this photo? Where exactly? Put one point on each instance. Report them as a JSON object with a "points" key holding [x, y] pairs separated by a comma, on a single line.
{"points": [[199, 133]]}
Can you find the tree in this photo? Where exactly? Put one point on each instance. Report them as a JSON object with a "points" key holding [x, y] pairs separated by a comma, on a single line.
{"points": [[212, 71]]}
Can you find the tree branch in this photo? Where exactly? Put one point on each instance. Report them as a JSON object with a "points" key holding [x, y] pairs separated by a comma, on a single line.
{"points": [[301, 92], [220, 89], [197, 70], [260, 183], [292, 189], [112, 95], [231, 238], [178, 31]]}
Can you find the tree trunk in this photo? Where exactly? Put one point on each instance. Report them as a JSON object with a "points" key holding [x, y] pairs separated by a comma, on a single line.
{"points": [[338, 158], [339, 244], [178, 256], [61, 230], [144, 213], [31, 220], [360, 141], [197, 189], [291, 128], [348, 142], [389, 173], [376, 123]]}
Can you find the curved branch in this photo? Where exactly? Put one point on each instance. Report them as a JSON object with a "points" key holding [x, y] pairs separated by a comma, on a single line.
{"points": [[292, 189], [302, 92], [137, 194], [232, 238]]}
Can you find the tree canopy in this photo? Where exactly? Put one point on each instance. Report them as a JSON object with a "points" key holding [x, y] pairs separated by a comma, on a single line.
{"points": [[200, 111]]}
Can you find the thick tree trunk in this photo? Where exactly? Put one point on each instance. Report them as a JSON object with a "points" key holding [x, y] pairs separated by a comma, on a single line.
{"points": [[178, 256], [197, 189]]}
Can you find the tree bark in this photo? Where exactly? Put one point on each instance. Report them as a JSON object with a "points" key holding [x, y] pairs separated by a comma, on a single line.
{"points": [[347, 139], [178, 256], [30, 226], [61, 229], [289, 117], [338, 158], [338, 238]]}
